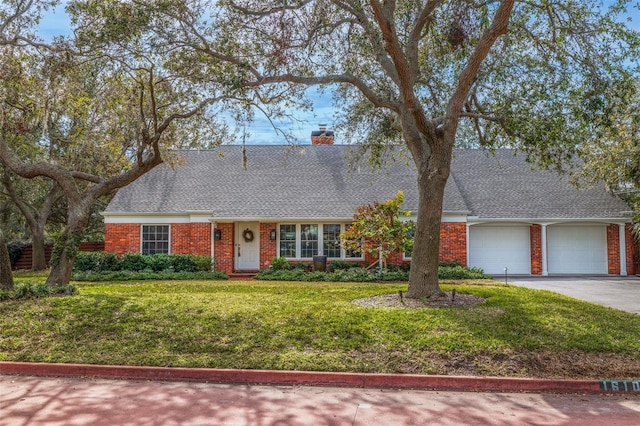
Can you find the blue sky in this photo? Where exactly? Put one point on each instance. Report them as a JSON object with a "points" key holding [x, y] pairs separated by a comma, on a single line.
{"points": [[56, 22]]}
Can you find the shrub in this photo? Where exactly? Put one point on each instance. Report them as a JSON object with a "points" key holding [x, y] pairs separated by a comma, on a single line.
{"points": [[280, 264], [183, 263], [364, 275], [338, 265], [460, 272], [148, 275], [133, 262], [302, 266], [203, 263], [99, 262], [96, 261], [157, 262]]}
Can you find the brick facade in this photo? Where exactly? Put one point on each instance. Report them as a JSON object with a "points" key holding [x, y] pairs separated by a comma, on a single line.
{"points": [[453, 242], [630, 244], [268, 247], [536, 249], [191, 238], [195, 238], [224, 248], [121, 238], [613, 249]]}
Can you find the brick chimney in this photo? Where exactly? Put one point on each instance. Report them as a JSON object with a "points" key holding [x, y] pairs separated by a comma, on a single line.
{"points": [[322, 136]]}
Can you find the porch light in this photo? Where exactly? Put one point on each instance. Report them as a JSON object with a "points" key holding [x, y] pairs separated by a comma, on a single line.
{"points": [[273, 235], [217, 234]]}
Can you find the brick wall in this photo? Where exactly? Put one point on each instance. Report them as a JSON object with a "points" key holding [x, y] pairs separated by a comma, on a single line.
{"points": [[630, 244], [536, 249], [453, 242], [224, 249], [121, 238], [268, 248], [191, 238], [613, 249]]}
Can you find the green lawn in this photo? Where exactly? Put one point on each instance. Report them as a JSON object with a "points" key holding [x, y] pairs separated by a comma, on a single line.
{"points": [[314, 326]]}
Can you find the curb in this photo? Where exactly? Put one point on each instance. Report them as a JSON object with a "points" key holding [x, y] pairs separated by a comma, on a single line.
{"points": [[310, 378]]}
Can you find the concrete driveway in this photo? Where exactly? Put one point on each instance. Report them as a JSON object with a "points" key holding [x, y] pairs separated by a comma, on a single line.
{"points": [[617, 292]]}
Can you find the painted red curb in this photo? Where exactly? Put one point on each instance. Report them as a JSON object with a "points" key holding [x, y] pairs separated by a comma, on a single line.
{"points": [[310, 378]]}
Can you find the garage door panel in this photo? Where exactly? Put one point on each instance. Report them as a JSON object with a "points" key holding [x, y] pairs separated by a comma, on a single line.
{"points": [[493, 248], [577, 249]]}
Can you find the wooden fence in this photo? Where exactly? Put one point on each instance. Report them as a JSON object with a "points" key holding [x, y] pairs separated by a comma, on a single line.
{"points": [[24, 261]]}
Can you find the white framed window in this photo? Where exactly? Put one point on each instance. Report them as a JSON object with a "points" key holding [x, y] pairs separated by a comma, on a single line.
{"points": [[305, 240], [309, 240], [331, 240], [288, 241], [154, 239]]}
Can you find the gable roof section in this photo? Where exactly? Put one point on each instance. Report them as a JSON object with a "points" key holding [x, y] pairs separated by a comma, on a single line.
{"points": [[505, 186], [311, 181], [318, 182]]}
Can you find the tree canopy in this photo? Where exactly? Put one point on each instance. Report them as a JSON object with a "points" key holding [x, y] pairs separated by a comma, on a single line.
{"points": [[543, 77], [539, 76]]}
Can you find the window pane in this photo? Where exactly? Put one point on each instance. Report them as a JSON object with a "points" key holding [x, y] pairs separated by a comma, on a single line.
{"points": [[309, 240], [155, 239], [331, 240], [288, 241]]}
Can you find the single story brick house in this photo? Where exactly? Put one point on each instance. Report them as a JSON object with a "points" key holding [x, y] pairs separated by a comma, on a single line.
{"points": [[246, 207]]}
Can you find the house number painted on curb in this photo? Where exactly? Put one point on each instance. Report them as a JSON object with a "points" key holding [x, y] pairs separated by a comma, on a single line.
{"points": [[620, 385]]}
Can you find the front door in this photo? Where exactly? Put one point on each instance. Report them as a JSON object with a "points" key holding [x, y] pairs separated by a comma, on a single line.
{"points": [[247, 246]]}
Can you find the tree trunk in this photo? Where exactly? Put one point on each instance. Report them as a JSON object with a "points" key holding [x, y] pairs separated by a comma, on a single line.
{"points": [[433, 173], [6, 276], [39, 261], [65, 249]]}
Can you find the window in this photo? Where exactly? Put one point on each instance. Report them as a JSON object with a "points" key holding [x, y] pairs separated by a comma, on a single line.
{"points": [[155, 239], [308, 240], [331, 240], [303, 241], [288, 241]]}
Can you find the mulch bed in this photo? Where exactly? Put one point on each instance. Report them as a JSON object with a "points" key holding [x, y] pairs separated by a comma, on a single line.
{"points": [[448, 300]]}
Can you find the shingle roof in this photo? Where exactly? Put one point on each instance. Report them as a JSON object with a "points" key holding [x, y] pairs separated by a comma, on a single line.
{"points": [[505, 185], [317, 181]]}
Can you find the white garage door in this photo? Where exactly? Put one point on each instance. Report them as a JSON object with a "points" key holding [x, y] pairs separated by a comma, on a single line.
{"points": [[577, 249], [493, 248]]}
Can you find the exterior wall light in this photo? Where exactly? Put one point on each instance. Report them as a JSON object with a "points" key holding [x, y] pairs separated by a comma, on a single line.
{"points": [[217, 234], [273, 235]]}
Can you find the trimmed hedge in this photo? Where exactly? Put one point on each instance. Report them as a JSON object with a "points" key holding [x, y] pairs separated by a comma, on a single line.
{"points": [[142, 276], [363, 275], [101, 262]]}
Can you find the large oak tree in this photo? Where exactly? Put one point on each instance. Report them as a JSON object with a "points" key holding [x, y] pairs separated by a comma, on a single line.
{"points": [[116, 118], [539, 76]]}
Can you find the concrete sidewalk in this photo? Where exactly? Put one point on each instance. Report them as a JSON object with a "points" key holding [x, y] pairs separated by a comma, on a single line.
{"points": [[34, 401]]}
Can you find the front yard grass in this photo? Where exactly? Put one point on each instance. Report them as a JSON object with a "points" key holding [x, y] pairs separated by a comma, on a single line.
{"points": [[314, 326]]}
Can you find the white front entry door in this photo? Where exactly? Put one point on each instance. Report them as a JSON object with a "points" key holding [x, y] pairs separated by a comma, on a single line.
{"points": [[247, 246]]}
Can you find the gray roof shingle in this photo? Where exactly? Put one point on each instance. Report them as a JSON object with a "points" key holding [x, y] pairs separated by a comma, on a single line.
{"points": [[317, 181], [506, 186]]}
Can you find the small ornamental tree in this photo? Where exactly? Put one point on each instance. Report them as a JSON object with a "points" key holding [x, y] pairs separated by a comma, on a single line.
{"points": [[379, 230]]}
